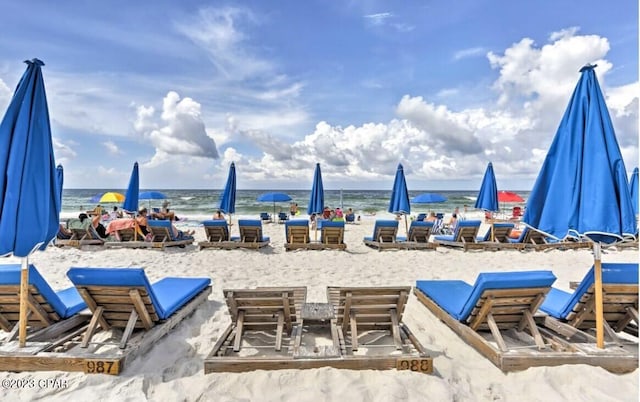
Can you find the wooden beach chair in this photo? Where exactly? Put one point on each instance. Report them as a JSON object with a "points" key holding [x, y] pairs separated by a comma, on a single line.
{"points": [[82, 233], [418, 236], [496, 316], [465, 236], [217, 234], [275, 328], [531, 239], [332, 235], [296, 233], [384, 235], [163, 236], [125, 233], [47, 308], [620, 298], [251, 234]]}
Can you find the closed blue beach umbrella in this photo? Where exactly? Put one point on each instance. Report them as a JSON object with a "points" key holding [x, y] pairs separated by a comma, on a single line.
{"points": [[228, 198], [582, 187], [59, 183], [316, 201], [130, 203], [399, 203], [29, 199], [488, 195], [633, 187]]}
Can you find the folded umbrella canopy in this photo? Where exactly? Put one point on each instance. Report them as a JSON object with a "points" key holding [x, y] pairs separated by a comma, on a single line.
{"points": [[633, 188], [29, 197], [316, 200], [399, 202], [228, 197], [488, 195], [130, 203]]}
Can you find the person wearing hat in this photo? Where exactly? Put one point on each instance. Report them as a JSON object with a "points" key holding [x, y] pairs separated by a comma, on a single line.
{"points": [[165, 213]]}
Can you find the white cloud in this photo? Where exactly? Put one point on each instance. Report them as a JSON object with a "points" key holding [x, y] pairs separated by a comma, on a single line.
{"points": [[5, 96], [180, 130], [470, 52], [63, 152], [378, 18], [111, 147]]}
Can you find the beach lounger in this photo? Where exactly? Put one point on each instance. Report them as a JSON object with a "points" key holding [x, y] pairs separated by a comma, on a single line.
{"points": [[162, 235], [384, 235], [275, 328], [251, 234], [296, 233], [217, 234], [496, 316], [418, 238], [500, 230], [332, 235], [465, 236], [421, 217], [264, 216], [531, 239], [125, 233], [47, 308], [620, 297], [123, 298], [282, 217], [82, 233]]}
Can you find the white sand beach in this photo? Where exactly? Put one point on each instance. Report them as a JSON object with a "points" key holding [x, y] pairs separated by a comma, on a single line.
{"points": [[173, 369]]}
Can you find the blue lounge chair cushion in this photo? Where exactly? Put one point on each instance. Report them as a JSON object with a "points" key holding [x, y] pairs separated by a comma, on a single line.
{"points": [[294, 222], [215, 222], [332, 224], [167, 295], [459, 225], [459, 298], [560, 304], [251, 222], [167, 224], [381, 224], [65, 303], [487, 237], [415, 224]]}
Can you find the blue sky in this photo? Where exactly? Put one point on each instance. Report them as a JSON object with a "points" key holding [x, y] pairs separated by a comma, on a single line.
{"points": [[187, 87]]}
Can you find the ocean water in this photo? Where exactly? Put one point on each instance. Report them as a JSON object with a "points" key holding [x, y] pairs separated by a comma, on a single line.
{"points": [[201, 204]]}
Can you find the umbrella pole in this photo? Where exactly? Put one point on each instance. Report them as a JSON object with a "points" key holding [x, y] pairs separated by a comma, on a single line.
{"points": [[597, 270], [24, 305], [406, 226]]}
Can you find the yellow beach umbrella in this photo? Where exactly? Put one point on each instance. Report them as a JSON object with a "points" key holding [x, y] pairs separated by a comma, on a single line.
{"points": [[109, 197]]}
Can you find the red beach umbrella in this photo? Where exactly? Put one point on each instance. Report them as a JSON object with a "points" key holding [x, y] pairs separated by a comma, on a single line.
{"points": [[508, 196]]}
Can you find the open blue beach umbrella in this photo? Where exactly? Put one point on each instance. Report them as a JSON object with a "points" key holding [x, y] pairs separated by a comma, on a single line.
{"points": [[151, 195], [316, 201], [399, 203], [29, 199], [228, 198], [273, 197], [633, 188], [130, 203], [582, 187], [488, 195], [428, 198]]}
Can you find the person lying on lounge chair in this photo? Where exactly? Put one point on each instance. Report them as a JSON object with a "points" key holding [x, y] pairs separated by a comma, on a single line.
{"points": [[141, 219], [218, 215], [165, 213], [64, 233], [95, 222]]}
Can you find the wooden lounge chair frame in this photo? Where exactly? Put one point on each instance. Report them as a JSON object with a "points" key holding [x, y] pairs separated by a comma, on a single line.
{"points": [[217, 237], [418, 238], [332, 237], [80, 237], [285, 329], [384, 237], [464, 237], [298, 237], [251, 237], [553, 344]]}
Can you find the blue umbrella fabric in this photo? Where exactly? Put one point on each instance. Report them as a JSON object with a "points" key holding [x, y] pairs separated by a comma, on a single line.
{"points": [[130, 203], [151, 195], [59, 183], [316, 200], [488, 195], [29, 200], [428, 198], [228, 198], [399, 203], [582, 187], [633, 188]]}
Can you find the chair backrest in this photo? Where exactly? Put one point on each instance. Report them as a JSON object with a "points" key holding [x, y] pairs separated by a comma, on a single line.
{"points": [[420, 231], [297, 231], [508, 295], [250, 230], [216, 230], [332, 232], [372, 307], [262, 306], [350, 217], [620, 292], [385, 231], [501, 232], [265, 216], [161, 230], [283, 216], [51, 307], [466, 231], [532, 236], [421, 217]]}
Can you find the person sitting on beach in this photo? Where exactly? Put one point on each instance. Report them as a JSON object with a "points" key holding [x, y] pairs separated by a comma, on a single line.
{"points": [[115, 214], [218, 215], [293, 209], [349, 215], [432, 217], [95, 222], [63, 233], [326, 213], [453, 222], [141, 220], [96, 211], [165, 213]]}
